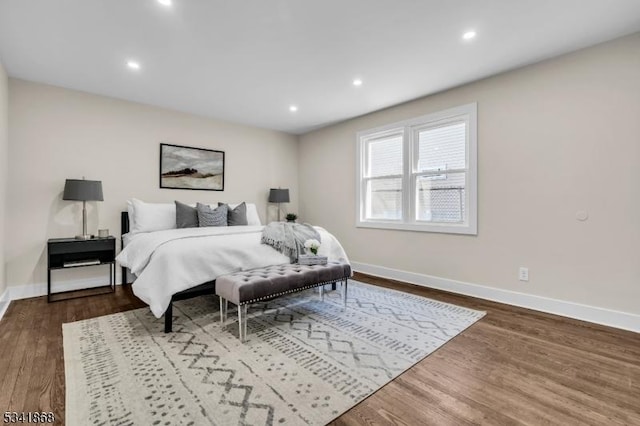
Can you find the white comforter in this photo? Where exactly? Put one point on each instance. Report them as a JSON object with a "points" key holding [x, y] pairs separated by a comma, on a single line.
{"points": [[167, 262]]}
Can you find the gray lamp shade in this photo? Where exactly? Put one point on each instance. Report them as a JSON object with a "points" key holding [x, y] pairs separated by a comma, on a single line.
{"points": [[82, 190], [279, 195]]}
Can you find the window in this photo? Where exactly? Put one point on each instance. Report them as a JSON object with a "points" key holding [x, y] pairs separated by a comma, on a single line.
{"points": [[420, 174]]}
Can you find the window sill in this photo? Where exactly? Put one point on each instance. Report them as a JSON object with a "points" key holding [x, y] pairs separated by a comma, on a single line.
{"points": [[464, 229]]}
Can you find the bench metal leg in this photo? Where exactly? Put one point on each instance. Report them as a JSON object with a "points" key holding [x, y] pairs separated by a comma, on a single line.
{"points": [[224, 306], [242, 322], [321, 290], [344, 293], [246, 317]]}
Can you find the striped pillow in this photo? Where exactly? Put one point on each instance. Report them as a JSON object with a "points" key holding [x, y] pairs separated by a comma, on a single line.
{"points": [[212, 217]]}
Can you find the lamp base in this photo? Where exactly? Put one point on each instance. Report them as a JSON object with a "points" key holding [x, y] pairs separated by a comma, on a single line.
{"points": [[84, 237]]}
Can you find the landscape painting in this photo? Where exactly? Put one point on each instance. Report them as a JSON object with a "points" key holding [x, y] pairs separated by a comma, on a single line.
{"points": [[182, 167]]}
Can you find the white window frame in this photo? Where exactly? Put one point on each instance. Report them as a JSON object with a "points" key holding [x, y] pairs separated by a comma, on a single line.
{"points": [[410, 129], [391, 132]]}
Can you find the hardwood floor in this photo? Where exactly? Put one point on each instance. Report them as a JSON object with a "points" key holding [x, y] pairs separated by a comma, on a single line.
{"points": [[515, 366]]}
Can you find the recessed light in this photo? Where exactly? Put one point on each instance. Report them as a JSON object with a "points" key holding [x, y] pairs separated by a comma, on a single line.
{"points": [[357, 82], [469, 35], [165, 2], [133, 65], [293, 108]]}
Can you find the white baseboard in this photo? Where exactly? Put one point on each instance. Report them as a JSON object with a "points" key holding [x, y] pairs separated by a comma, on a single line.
{"points": [[40, 289], [617, 319], [4, 302], [18, 292]]}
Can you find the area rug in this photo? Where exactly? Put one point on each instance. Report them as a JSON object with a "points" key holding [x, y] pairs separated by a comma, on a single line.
{"points": [[304, 362]]}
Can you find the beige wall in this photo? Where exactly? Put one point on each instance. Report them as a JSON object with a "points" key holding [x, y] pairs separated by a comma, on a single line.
{"points": [[553, 138], [57, 134], [4, 144]]}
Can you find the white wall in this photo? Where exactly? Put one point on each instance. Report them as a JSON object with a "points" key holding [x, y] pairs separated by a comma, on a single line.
{"points": [[4, 144], [57, 133], [553, 138]]}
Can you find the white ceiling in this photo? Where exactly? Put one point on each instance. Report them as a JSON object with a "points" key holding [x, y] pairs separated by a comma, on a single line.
{"points": [[247, 61]]}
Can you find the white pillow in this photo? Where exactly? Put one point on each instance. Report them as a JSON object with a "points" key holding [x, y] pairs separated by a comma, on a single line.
{"points": [[149, 217], [132, 215], [253, 219]]}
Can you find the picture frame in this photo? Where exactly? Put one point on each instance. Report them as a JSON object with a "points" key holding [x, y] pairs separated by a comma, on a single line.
{"points": [[185, 167]]}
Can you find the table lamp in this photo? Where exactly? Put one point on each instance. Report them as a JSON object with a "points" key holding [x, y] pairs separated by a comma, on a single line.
{"points": [[83, 190], [278, 196]]}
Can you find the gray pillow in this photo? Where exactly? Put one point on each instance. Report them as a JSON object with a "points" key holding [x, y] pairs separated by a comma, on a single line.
{"points": [[237, 216], [212, 217], [186, 216]]}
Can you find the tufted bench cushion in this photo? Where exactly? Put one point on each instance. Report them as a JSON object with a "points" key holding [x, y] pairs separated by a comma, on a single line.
{"points": [[264, 283], [246, 287]]}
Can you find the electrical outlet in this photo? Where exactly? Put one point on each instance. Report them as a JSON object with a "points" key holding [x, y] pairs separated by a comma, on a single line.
{"points": [[523, 274]]}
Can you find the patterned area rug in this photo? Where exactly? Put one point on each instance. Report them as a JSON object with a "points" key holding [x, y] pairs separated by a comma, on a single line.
{"points": [[305, 361]]}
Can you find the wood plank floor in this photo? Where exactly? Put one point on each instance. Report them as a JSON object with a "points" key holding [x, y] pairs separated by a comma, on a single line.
{"points": [[515, 366]]}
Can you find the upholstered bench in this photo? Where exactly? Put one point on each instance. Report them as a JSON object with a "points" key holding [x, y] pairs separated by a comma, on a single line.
{"points": [[246, 287]]}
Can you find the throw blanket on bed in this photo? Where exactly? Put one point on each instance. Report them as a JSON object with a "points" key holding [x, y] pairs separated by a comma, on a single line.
{"points": [[288, 238]]}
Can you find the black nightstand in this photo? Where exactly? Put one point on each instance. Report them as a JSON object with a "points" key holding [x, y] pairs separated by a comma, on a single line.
{"points": [[68, 253]]}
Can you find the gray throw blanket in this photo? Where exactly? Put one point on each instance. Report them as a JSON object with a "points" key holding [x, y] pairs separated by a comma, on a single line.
{"points": [[288, 238]]}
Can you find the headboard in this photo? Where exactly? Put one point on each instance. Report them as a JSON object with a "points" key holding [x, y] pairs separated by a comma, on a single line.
{"points": [[124, 223], [124, 228]]}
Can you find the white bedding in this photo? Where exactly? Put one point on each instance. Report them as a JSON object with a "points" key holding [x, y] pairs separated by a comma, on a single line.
{"points": [[170, 261]]}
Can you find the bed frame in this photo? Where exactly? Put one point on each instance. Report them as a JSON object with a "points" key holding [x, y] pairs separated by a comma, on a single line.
{"points": [[202, 289]]}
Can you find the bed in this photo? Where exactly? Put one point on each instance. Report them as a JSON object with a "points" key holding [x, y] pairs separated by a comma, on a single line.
{"points": [[174, 264], [198, 290]]}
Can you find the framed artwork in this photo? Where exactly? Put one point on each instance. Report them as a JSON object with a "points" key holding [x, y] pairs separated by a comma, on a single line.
{"points": [[183, 167]]}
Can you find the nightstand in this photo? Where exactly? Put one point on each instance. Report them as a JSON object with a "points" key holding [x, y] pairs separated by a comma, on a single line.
{"points": [[68, 253]]}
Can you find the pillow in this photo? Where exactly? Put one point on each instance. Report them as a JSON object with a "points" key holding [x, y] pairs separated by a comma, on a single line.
{"points": [[186, 216], [252, 214], [236, 216], [212, 217], [149, 217], [132, 216]]}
